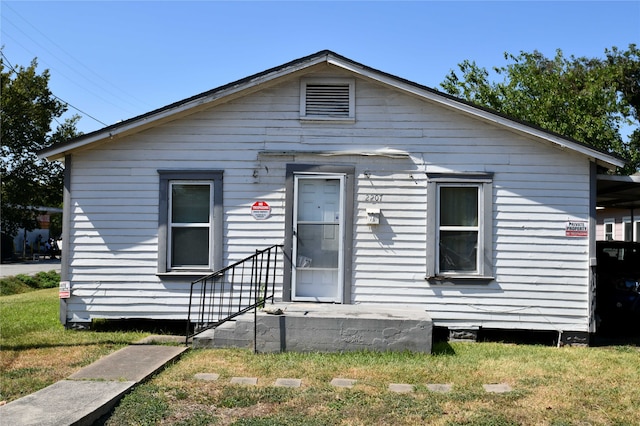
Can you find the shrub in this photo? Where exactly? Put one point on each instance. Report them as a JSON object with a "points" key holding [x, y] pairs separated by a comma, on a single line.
{"points": [[23, 283]]}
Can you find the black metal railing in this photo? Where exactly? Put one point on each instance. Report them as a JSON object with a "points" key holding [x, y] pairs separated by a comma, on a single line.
{"points": [[232, 291]]}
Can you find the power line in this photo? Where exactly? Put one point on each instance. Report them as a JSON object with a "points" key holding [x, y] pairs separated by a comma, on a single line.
{"points": [[56, 45], [60, 73], [56, 97]]}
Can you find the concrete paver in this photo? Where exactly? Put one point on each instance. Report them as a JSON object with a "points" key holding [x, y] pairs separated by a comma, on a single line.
{"points": [[208, 377], [289, 383], [343, 383], [497, 388], [248, 381], [439, 387], [401, 388]]}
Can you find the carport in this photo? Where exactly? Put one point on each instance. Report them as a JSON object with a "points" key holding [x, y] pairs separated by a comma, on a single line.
{"points": [[616, 194], [619, 192]]}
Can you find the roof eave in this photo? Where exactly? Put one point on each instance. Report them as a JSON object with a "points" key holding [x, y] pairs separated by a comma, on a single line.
{"points": [[608, 161], [206, 99], [173, 111]]}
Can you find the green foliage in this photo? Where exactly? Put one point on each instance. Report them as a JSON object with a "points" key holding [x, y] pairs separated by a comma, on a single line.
{"points": [[587, 99], [27, 110], [24, 283]]}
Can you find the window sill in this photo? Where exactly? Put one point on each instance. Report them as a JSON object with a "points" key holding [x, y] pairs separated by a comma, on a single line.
{"points": [[459, 279], [191, 275]]}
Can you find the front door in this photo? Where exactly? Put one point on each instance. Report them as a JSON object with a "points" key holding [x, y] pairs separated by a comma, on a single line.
{"points": [[318, 238]]}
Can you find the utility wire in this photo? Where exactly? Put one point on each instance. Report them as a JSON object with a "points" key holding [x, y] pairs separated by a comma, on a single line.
{"points": [[56, 97], [73, 81], [80, 63]]}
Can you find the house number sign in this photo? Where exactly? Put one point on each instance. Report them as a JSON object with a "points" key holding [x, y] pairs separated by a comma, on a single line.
{"points": [[260, 210]]}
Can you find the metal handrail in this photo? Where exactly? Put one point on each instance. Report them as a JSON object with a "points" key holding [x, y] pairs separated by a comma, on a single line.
{"points": [[232, 291]]}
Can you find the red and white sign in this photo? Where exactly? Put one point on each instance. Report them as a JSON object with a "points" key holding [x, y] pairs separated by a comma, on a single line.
{"points": [[65, 289], [576, 228], [260, 210]]}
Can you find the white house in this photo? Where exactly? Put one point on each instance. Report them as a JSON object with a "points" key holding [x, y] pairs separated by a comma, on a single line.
{"points": [[383, 191]]}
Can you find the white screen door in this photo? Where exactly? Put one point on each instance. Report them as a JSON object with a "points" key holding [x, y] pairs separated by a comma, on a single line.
{"points": [[318, 238]]}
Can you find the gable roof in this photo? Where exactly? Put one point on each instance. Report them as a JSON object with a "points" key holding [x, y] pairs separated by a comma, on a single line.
{"points": [[256, 81]]}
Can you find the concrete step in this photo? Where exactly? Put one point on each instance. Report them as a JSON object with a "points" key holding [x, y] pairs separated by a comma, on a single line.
{"points": [[237, 333]]}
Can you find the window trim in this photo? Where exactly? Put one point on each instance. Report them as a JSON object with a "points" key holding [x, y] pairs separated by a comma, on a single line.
{"points": [[166, 178], [484, 182], [350, 82]]}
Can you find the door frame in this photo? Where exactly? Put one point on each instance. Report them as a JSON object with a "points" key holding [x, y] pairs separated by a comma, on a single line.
{"points": [[337, 293], [329, 170]]}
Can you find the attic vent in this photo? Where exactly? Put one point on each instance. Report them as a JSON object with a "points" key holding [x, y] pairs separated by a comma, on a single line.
{"points": [[327, 100]]}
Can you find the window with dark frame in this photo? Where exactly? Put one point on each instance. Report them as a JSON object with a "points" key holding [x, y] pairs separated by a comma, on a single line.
{"points": [[459, 227], [190, 221]]}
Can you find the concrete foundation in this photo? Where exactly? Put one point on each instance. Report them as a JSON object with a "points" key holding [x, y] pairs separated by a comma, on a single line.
{"points": [[315, 327]]}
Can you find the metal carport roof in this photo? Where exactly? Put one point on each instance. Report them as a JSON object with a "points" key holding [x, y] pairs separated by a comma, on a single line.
{"points": [[618, 191]]}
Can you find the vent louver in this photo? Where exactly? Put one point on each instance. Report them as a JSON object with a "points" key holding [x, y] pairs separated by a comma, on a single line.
{"points": [[327, 100]]}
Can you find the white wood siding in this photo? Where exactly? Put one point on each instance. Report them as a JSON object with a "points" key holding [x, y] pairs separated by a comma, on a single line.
{"points": [[541, 275]]}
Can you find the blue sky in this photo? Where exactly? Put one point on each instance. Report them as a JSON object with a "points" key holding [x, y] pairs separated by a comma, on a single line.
{"points": [[115, 60]]}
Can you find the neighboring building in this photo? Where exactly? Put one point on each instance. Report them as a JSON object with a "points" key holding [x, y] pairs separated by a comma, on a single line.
{"points": [[618, 212], [32, 242], [383, 191]]}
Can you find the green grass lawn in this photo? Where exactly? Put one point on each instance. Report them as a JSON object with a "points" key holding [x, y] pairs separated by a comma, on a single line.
{"points": [[551, 386], [36, 350]]}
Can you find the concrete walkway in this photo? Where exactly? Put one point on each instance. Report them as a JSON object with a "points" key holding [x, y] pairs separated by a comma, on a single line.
{"points": [[91, 392]]}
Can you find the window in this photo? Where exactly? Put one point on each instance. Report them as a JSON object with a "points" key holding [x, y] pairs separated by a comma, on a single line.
{"points": [[190, 221], [627, 229], [457, 229], [327, 99], [630, 230], [608, 229], [459, 243]]}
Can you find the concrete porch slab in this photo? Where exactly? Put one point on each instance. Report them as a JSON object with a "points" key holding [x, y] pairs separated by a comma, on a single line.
{"points": [[323, 327]]}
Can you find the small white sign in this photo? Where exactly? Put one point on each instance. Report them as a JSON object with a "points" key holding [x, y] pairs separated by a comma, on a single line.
{"points": [[65, 289], [577, 228], [260, 210]]}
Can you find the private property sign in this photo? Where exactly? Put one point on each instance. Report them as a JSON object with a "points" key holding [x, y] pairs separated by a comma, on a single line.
{"points": [[576, 228], [260, 210], [65, 289]]}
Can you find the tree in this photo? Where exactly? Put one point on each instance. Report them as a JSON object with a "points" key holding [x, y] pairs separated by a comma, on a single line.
{"points": [[588, 99], [27, 110]]}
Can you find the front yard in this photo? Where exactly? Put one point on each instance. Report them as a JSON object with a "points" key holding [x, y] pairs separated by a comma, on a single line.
{"points": [[549, 385]]}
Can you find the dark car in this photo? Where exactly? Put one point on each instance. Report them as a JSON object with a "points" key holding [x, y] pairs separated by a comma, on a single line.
{"points": [[618, 284]]}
